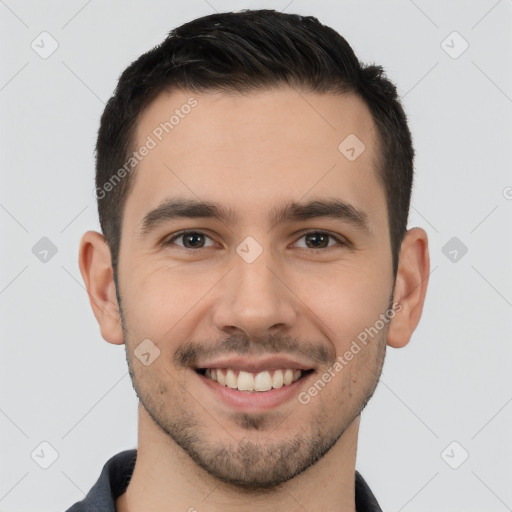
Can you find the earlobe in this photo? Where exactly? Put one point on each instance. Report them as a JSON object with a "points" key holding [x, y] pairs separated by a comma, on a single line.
{"points": [[410, 287], [95, 264]]}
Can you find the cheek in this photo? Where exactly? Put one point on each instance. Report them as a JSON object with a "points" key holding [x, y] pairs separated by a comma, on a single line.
{"points": [[347, 301], [159, 298], [346, 297]]}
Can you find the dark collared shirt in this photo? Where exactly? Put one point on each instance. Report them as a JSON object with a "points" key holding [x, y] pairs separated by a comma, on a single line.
{"points": [[118, 470]]}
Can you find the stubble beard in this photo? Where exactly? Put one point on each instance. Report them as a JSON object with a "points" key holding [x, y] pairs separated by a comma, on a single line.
{"points": [[245, 464]]}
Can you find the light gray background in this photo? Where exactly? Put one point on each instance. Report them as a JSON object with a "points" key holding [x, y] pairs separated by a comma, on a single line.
{"points": [[62, 383]]}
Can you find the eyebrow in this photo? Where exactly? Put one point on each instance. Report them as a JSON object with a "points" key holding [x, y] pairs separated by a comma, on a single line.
{"points": [[172, 209]]}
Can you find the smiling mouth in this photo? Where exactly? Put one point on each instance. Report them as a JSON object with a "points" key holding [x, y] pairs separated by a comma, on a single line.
{"points": [[257, 382]]}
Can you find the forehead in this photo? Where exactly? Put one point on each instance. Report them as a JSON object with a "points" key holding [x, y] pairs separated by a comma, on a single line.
{"points": [[256, 150]]}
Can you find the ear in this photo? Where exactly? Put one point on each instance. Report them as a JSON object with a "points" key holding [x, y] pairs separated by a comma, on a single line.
{"points": [[410, 287], [95, 264]]}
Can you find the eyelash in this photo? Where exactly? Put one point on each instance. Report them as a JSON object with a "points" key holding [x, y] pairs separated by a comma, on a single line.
{"points": [[169, 241]]}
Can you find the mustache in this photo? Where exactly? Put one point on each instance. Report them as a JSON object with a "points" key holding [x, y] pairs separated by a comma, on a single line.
{"points": [[189, 353]]}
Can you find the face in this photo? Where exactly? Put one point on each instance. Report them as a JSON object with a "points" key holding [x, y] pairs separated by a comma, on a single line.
{"points": [[271, 287]]}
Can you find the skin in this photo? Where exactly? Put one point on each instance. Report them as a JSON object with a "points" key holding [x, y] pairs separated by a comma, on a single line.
{"points": [[252, 152]]}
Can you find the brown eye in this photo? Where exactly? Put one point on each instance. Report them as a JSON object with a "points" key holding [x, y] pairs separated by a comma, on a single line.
{"points": [[314, 240], [319, 240], [190, 240]]}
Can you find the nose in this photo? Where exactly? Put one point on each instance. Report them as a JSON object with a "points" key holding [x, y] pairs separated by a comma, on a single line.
{"points": [[255, 299]]}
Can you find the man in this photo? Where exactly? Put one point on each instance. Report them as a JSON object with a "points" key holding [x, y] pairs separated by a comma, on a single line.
{"points": [[253, 183]]}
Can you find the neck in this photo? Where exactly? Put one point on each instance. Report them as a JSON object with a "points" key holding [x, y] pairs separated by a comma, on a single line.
{"points": [[166, 479]]}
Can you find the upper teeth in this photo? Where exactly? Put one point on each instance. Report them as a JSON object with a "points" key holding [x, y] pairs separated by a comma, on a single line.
{"points": [[246, 381]]}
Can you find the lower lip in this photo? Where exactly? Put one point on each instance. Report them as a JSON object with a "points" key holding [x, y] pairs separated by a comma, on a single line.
{"points": [[254, 401]]}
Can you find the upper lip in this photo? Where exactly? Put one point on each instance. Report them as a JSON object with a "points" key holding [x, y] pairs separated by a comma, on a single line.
{"points": [[256, 365]]}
